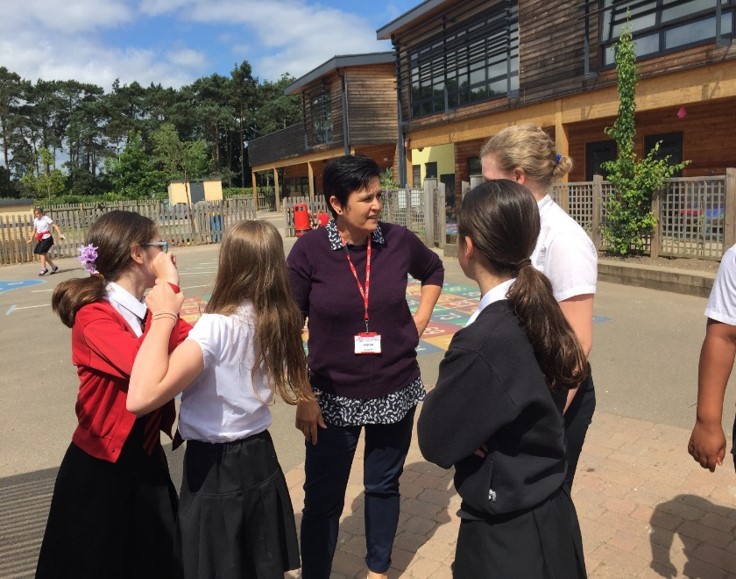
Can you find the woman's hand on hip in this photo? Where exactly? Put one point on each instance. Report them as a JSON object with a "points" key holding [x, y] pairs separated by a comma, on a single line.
{"points": [[308, 418]]}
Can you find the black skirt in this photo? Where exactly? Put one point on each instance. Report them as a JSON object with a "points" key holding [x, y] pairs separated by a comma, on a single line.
{"points": [[43, 246], [235, 516], [543, 542], [113, 520]]}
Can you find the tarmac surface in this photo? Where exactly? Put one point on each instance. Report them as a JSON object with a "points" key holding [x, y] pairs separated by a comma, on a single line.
{"points": [[646, 508]]}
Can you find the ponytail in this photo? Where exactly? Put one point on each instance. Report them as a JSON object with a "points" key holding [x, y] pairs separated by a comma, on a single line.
{"points": [[502, 219], [71, 295], [556, 347]]}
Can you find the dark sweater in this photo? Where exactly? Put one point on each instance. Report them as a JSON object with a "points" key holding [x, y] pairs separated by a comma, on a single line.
{"points": [[328, 295], [491, 391]]}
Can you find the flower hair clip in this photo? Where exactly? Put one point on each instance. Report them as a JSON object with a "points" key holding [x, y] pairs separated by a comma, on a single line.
{"points": [[88, 256]]}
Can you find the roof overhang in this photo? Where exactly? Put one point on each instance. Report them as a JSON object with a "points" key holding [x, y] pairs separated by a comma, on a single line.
{"points": [[336, 62], [424, 9]]}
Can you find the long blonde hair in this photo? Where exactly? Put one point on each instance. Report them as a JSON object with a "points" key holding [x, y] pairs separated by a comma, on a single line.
{"points": [[253, 267], [529, 147]]}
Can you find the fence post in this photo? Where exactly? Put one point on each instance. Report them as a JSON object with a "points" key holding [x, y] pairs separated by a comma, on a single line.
{"points": [[729, 201], [655, 242], [430, 186], [595, 219]]}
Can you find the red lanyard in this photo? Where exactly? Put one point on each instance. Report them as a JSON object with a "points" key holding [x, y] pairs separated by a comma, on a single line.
{"points": [[363, 292]]}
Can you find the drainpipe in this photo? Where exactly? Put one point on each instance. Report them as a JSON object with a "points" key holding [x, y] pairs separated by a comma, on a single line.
{"points": [[345, 112], [401, 147]]}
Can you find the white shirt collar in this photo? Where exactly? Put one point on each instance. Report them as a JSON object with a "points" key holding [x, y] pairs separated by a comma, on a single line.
{"points": [[545, 203], [494, 294], [127, 305]]}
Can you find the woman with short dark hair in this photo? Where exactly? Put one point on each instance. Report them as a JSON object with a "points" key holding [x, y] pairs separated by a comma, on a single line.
{"points": [[350, 279]]}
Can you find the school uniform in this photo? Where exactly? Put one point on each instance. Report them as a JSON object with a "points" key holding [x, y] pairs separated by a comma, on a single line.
{"points": [[569, 259], [235, 516], [517, 519], [43, 236], [113, 509]]}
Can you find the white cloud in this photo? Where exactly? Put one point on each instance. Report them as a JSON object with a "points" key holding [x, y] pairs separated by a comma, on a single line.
{"points": [[173, 42]]}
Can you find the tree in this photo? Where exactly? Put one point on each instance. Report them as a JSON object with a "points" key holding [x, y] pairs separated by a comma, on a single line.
{"points": [[47, 182], [629, 217], [11, 92], [179, 159], [133, 174]]}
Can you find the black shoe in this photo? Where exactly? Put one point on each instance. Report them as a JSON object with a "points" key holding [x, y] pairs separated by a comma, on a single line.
{"points": [[43, 272], [55, 269]]}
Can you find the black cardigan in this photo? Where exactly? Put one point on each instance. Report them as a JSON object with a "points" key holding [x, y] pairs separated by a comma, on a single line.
{"points": [[491, 391]]}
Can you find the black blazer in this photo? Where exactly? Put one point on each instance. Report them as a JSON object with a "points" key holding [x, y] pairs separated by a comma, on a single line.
{"points": [[491, 391]]}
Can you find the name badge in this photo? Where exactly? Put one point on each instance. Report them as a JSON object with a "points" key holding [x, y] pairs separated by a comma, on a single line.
{"points": [[368, 343]]}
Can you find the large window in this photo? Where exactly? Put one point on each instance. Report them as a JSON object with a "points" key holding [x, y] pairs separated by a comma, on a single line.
{"points": [[318, 116], [662, 25], [469, 62]]}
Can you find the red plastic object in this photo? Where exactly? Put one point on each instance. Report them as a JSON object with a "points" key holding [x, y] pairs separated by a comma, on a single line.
{"points": [[301, 219]]}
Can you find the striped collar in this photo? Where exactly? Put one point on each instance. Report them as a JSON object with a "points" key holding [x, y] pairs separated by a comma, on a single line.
{"points": [[333, 235]]}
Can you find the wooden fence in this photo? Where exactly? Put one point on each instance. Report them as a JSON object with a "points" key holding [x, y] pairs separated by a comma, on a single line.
{"points": [[204, 222], [423, 211]]}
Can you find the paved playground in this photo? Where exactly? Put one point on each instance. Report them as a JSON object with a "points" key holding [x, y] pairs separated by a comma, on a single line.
{"points": [[646, 509]]}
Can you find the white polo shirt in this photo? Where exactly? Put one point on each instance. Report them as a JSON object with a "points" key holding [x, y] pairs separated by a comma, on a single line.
{"points": [[564, 253], [722, 301], [226, 402]]}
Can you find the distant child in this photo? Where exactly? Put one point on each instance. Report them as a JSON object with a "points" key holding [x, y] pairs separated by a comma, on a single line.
{"points": [[114, 506], [42, 225], [496, 411], [235, 516], [708, 442]]}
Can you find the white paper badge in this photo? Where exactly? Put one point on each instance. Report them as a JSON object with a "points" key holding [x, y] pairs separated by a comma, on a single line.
{"points": [[368, 343]]}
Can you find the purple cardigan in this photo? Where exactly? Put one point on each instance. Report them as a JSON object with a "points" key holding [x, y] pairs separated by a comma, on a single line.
{"points": [[327, 294]]}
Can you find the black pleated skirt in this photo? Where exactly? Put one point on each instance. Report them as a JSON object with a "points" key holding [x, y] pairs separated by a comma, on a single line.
{"points": [[112, 520], [235, 517], [540, 543]]}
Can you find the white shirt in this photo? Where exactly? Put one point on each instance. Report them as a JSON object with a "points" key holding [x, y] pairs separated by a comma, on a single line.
{"points": [[43, 226], [494, 294], [722, 301], [564, 253], [131, 308], [226, 402]]}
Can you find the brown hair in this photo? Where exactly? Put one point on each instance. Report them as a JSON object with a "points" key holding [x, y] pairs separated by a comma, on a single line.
{"points": [[502, 219], [113, 234], [530, 148], [252, 267]]}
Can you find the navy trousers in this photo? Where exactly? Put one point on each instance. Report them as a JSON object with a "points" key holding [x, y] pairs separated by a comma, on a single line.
{"points": [[327, 468], [577, 420]]}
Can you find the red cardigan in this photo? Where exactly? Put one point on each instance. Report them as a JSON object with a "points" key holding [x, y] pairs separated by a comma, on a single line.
{"points": [[103, 349]]}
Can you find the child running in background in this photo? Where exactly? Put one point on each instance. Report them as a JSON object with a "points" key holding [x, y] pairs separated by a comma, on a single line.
{"points": [[496, 411], [114, 506], [42, 225], [235, 515]]}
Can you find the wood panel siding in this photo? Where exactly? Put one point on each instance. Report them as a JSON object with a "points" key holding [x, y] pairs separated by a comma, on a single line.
{"points": [[551, 38], [372, 109], [708, 141]]}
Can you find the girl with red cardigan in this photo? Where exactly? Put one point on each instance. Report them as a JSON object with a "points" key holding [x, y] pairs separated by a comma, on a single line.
{"points": [[113, 509]]}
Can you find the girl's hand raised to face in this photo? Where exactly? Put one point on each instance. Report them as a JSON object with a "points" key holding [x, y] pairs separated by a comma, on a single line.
{"points": [[164, 267], [163, 299]]}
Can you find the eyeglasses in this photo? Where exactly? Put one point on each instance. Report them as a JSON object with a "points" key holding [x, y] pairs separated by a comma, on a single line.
{"points": [[164, 245]]}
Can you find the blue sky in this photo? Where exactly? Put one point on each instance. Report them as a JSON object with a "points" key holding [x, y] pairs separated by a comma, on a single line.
{"points": [[173, 42]]}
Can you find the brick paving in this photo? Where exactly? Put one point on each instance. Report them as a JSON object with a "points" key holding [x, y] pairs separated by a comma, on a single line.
{"points": [[645, 508]]}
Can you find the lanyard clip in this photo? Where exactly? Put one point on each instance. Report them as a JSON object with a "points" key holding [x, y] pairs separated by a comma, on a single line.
{"points": [[366, 324]]}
